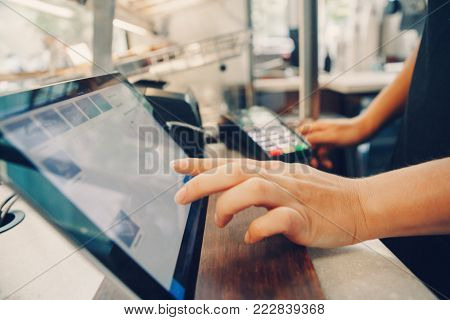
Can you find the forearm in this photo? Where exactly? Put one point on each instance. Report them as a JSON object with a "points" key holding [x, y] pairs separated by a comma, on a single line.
{"points": [[409, 201], [390, 100]]}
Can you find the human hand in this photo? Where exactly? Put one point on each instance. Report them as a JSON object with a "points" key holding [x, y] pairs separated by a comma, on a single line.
{"points": [[308, 206], [327, 134]]}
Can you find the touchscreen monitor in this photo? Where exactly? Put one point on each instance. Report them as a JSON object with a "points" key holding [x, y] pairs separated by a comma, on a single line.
{"points": [[91, 157]]}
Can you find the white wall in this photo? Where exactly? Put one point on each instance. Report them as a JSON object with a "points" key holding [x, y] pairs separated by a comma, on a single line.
{"points": [[208, 20]]}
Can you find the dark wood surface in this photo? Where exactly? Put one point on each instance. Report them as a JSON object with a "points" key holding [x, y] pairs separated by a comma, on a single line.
{"points": [[272, 269]]}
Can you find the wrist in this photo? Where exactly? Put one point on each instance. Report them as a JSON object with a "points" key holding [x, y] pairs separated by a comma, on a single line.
{"points": [[366, 228], [374, 224], [364, 125]]}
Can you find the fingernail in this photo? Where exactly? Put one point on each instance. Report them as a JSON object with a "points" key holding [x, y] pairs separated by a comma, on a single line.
{"points": [[180, 196], [216, 219], [180, 164], [247, 238], [218, 222]]}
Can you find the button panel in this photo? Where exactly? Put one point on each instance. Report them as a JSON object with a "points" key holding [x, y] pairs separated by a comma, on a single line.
{"points": [[276, 141]]}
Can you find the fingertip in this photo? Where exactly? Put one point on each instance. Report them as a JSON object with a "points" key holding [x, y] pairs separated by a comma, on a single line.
{"points": [[180, 196], [247, 238], [221, 222], [216, 221], [172, 164], [327, 164], [313, 138], [180, 164]]}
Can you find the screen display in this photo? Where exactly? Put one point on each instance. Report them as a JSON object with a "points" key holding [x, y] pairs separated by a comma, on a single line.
{"points": [[105, 153]]}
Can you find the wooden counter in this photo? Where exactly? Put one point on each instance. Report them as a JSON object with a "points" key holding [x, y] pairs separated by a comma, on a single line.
{"points": [[272, 269]]}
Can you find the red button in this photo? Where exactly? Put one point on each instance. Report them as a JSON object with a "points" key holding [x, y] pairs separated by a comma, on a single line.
{"points": [[275, 152]]}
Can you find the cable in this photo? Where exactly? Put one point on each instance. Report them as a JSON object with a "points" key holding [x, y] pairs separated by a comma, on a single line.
{"points": [[7, 203], [170, 124], [212, 137]]}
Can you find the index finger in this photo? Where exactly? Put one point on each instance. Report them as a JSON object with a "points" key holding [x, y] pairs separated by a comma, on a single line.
{"points": [[320, 137], [309, 127], [223, 177], [195, 166], [207, 183]]}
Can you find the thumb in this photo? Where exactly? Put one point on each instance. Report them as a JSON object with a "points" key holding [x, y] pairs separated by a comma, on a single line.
{"points": [[281, 220]]}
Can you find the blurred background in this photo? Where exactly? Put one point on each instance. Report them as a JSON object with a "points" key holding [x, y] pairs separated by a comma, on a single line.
{"points": [[230, 53]]}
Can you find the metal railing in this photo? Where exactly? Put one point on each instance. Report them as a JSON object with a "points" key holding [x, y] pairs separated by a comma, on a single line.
{"points": [[183, 57]]}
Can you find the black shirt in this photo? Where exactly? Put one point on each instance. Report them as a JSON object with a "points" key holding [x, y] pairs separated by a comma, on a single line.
{"points": [[425, 135]]}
